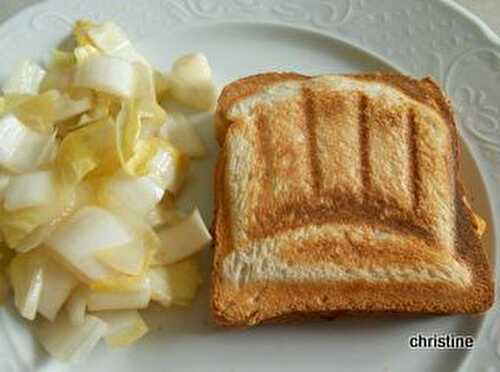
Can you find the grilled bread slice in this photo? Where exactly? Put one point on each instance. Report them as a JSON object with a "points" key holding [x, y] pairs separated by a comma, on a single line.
{"points": [[340, 193]]}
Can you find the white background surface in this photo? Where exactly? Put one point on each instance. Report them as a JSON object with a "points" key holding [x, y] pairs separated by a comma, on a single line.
{"points": [[487, 10]]}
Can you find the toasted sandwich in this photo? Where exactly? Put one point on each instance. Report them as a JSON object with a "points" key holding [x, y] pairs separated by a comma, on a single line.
{"points": [[339, 193]]}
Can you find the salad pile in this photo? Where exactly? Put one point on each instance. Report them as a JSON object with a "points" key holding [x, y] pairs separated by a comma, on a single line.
{"points": [[90, 166]]}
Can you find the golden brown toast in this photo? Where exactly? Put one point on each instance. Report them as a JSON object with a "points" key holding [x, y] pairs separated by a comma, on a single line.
{"points": [[340, 193]]}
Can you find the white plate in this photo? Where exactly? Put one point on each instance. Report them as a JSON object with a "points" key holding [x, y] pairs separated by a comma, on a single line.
{"points": [[248, 36]]}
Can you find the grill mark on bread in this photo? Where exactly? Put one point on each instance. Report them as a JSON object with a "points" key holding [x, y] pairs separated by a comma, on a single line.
{"points": [[364, 143], [222, 200], [413, 159], [288, 216], [310, 134], [350, 253], [263, 147], [336, 208]]}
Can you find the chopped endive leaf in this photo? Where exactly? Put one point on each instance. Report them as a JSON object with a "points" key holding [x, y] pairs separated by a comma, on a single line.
{"points": [[27, 276], [64, 206], [80, 31], [128, 259], [6, 254], [144, 83], [36, 236], [77, 305], [184, 278], [67, 126], [191, 82], [160, 215], [145, 93], [17, 226], [85, 194], [27, 190], [62, 59], [76, 241], [140, 229], [106, 74], [161, 84], [66, 107], [183, 240], [149, 129], [48, 153], [144, 151], [25, 79], [21, 146], [57, 286], [117, 300], [60, 72], [82, 53], [161, 291], [168, 167], [128, 129], [108, 104], [104, 106], [161, 162], [85, 150], [38, 112], [179, 132], [151, 112], [175, 284], [86, 119], [124, 326], [139, 194], [108, 38], [118, 283], [68, 342]]}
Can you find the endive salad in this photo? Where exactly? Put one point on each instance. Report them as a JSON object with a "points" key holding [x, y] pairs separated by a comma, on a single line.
{"points": [[90, 166]]}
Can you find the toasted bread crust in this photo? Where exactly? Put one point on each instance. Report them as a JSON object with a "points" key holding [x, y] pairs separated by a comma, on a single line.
{"points": [[278, 301], [242, 88], [283, 302]]}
